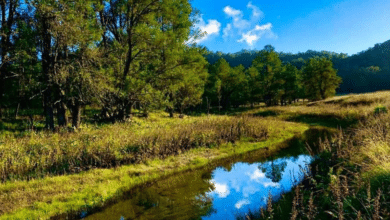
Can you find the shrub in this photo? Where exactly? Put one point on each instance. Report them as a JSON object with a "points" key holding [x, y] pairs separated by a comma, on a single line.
{"points": [[380, 109]]}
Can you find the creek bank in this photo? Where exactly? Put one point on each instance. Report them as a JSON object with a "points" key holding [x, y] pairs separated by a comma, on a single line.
{"points": [[146, 201]]}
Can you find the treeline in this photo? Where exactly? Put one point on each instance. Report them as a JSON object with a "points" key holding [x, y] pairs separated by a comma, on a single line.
{"points": [[245, 57], [59, 55], [366, 71], [270, 81]]}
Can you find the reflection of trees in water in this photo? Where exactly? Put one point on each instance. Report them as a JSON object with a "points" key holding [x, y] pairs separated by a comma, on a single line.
{"points": [[273, 170], [180, 197]]}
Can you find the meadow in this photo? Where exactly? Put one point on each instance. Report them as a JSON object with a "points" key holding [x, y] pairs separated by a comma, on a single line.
{"points": [[46, 174], [351, 178]]}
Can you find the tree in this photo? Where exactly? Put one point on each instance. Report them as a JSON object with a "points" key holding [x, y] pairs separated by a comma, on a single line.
{"points": [[253, 88], [8, 17], [188, 89], [24, 87], [147, 37], [269, 67], [320, 79], [228, 82], [67, 31], [291, 84]]}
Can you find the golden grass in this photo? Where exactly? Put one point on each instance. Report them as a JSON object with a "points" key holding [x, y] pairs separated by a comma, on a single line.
{"points": [[367, 146], [40, 154], [50, 196]]}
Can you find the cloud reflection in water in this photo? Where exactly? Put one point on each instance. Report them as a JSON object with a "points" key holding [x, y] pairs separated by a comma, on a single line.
{"points": [[247, 186]]}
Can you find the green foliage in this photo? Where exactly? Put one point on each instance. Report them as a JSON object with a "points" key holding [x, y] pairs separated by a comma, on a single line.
{"points": [[380, 109], [320, 79], [269, 68]]}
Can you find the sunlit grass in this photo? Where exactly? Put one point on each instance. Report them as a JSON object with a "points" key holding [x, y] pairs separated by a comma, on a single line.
{"points": [[363, 149], [43, 197]]}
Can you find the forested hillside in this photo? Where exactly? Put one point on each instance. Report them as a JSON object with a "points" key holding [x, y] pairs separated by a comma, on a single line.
{"points": [[366, 71]]}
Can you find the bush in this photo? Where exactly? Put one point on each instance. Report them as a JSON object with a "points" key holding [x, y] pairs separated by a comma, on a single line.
{"points": [[380, 109]]}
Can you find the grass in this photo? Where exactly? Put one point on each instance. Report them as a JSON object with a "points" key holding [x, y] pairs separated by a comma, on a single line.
{"points": [[351, 178], [32, 188], [40, 154], [102, 162], [337, 112]]}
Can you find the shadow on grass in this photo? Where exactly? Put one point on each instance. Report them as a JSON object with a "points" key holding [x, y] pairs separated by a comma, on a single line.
{"points": [[266, 113], [324, 120], [327, 120], [20, 125], [215, 111]]}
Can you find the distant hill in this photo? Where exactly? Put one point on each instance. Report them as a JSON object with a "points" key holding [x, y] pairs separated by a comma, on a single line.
{"points": [[366, 71]]}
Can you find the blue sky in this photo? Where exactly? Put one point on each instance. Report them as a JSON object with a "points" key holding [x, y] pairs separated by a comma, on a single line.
{"points": [[347, 26]]}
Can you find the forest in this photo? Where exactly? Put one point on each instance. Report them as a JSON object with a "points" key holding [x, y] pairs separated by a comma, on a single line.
{"points": [[109, 109], [56, 60], [366, 71]]}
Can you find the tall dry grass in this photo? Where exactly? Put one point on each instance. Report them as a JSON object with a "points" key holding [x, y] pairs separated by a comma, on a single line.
{"points": [[351, 178], [340, 111], [40, 154]]}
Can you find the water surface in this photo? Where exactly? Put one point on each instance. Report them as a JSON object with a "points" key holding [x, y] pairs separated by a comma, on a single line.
{"points": [[224, 192]]}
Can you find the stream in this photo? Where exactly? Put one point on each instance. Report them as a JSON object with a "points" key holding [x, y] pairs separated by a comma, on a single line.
{"points": [[227, 189]]}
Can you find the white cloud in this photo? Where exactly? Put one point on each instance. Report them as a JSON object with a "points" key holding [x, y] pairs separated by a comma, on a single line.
{"points": [[257, 175], [271, 184], [249, 38], [256, 12], [227, 30], [212, 27], [252, 36], [241, 203], [232, 12], [248, 30], [221, 189], [264, 27], [237, 15]]}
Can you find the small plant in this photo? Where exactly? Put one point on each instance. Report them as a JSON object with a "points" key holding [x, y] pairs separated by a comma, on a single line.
{"points": [[380, 109]]}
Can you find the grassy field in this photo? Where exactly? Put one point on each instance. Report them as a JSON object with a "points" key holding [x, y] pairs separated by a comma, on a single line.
{"points": [[49, 174], [351, 180]]}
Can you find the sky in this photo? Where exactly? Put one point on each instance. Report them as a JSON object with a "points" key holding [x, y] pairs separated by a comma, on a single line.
{"points": [[343, 26]]}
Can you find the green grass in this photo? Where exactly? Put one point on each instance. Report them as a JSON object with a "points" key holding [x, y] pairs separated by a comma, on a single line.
{"points": [[104, 161], [47, 196], [351, 178]]}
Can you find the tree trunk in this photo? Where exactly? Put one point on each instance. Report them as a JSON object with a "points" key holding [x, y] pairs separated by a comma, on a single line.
{"points": [[17, 111], [1, 97], [219, 104], [49, 115], [208, 105], [129, 111], [76, 115], [46, 61], [121, 114], [170, 110], [61, 115]]}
